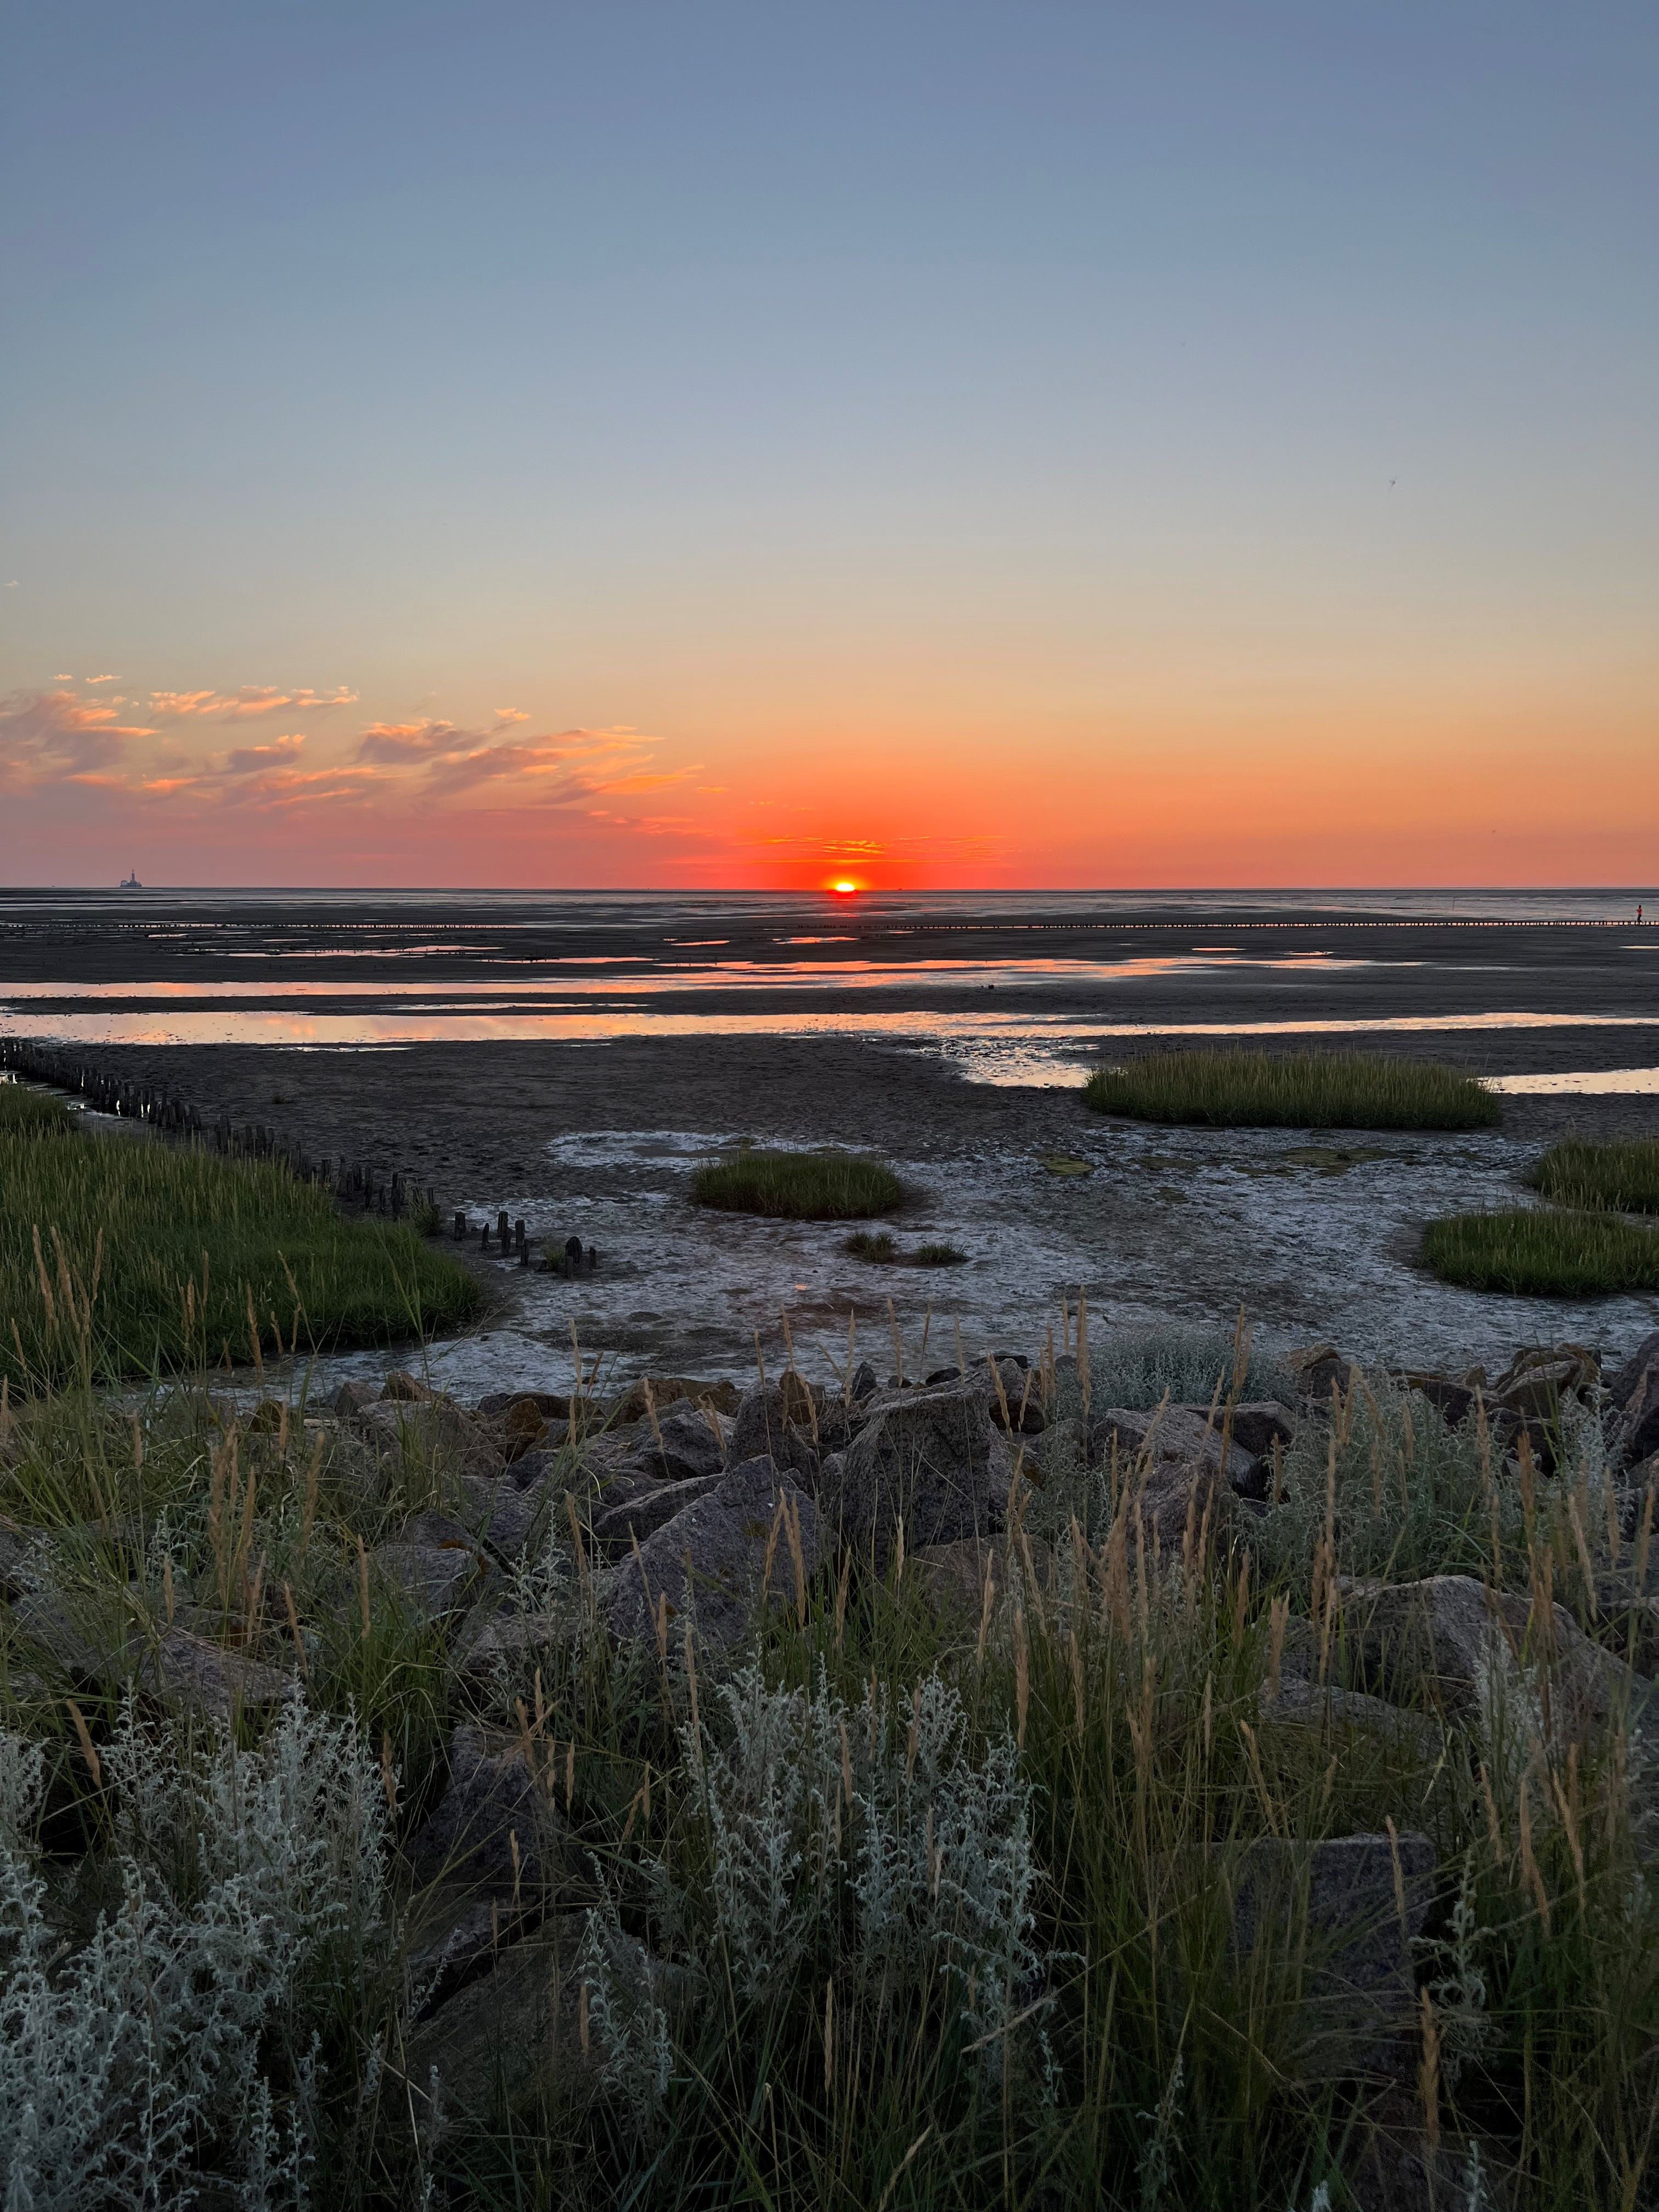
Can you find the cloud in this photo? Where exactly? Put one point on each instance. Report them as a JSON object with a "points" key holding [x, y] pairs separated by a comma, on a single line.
{"points": [[400, 742], [248, 705], [101, 679], [505, 714], [562, 768], [249, 760], [48, 737]]}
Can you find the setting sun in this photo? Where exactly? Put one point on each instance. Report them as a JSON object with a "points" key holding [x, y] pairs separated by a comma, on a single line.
{"points": [[844, 887]]}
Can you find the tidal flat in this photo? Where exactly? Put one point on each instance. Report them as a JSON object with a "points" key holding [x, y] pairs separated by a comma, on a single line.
{"points": [[574, 1062]]}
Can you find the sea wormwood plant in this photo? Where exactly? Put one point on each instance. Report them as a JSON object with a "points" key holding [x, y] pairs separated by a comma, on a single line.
{"points": [[814, 1808], [252, 1886]]}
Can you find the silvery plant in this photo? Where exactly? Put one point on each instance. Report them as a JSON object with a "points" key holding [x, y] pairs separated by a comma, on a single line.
{"points": [[131, 2063], [822, 1816]]}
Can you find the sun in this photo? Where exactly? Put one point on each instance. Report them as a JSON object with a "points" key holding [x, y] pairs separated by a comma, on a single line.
{"points": [[844, 888]]}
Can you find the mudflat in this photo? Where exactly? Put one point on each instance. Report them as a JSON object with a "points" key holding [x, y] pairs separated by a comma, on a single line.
{"points": [[624, 1048]]}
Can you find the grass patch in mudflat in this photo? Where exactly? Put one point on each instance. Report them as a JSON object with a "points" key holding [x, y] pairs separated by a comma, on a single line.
{"points": [[879, 1249], [1621, 1176], [799, 1186], [1534, 1253], [1293, 1090], [116, 1258]]}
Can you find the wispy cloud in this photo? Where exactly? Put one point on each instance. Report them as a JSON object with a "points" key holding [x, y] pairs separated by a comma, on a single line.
{"points": [[54, 736], [249, 760], [248, 705]]}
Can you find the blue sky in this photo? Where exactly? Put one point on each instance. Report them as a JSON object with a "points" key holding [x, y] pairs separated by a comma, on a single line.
{"points": [[828, 400]]}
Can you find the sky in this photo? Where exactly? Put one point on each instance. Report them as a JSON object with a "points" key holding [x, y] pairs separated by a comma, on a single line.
{"points": [[1072, 445]]}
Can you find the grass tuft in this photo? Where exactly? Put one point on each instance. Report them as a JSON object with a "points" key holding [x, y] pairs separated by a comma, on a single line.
{"points": [[1532, 1253], [1622, 1177], [938, 1255], [878, 1247], [117, 1257], [1298, 1091], [799, 1186]]}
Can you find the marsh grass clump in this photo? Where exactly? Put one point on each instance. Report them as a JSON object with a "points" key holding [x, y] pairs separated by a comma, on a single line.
{"points": [[120, 1256], [937, 1254], [1537, 1252], [1237, 1089], [1620, 1175], [878, 1247], [799, 1186]]}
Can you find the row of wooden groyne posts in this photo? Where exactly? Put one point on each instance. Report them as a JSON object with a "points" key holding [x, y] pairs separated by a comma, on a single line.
{"points": [[357, 1184]]}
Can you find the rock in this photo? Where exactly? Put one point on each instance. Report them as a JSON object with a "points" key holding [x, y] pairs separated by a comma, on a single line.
{"points": [[1021, 1395], [1638, 1417], [1167, 1438], [1302, 1703], [721, 1540], [502, 1515], [492, 1799], [1359, 1984], [353, 1397], [674, 1389], [15, 1543], [194, 1672], [924, 1456], [492, 1643], [1535, 1382], [1623, 1382], [496, 2039], [955, 1574], [521, 1424], [96, 1644], [1259, 1424], [1061, 1451], [617, 1528], [683, 1446], [775, 1423], [1319, 1369], [431, 1436], [427, 1579], [1441, 1640], [1454, 1401], [866, 1383], [403, 1388], [548, 1404]]}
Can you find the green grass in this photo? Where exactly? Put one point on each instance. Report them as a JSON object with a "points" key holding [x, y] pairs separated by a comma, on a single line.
{"points": [[1297, 1090], [1622, 1175], [799, 1186], [117, 1256], [25, 1113], [878, 1247], [938, 1255], [1534, 1253]]}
